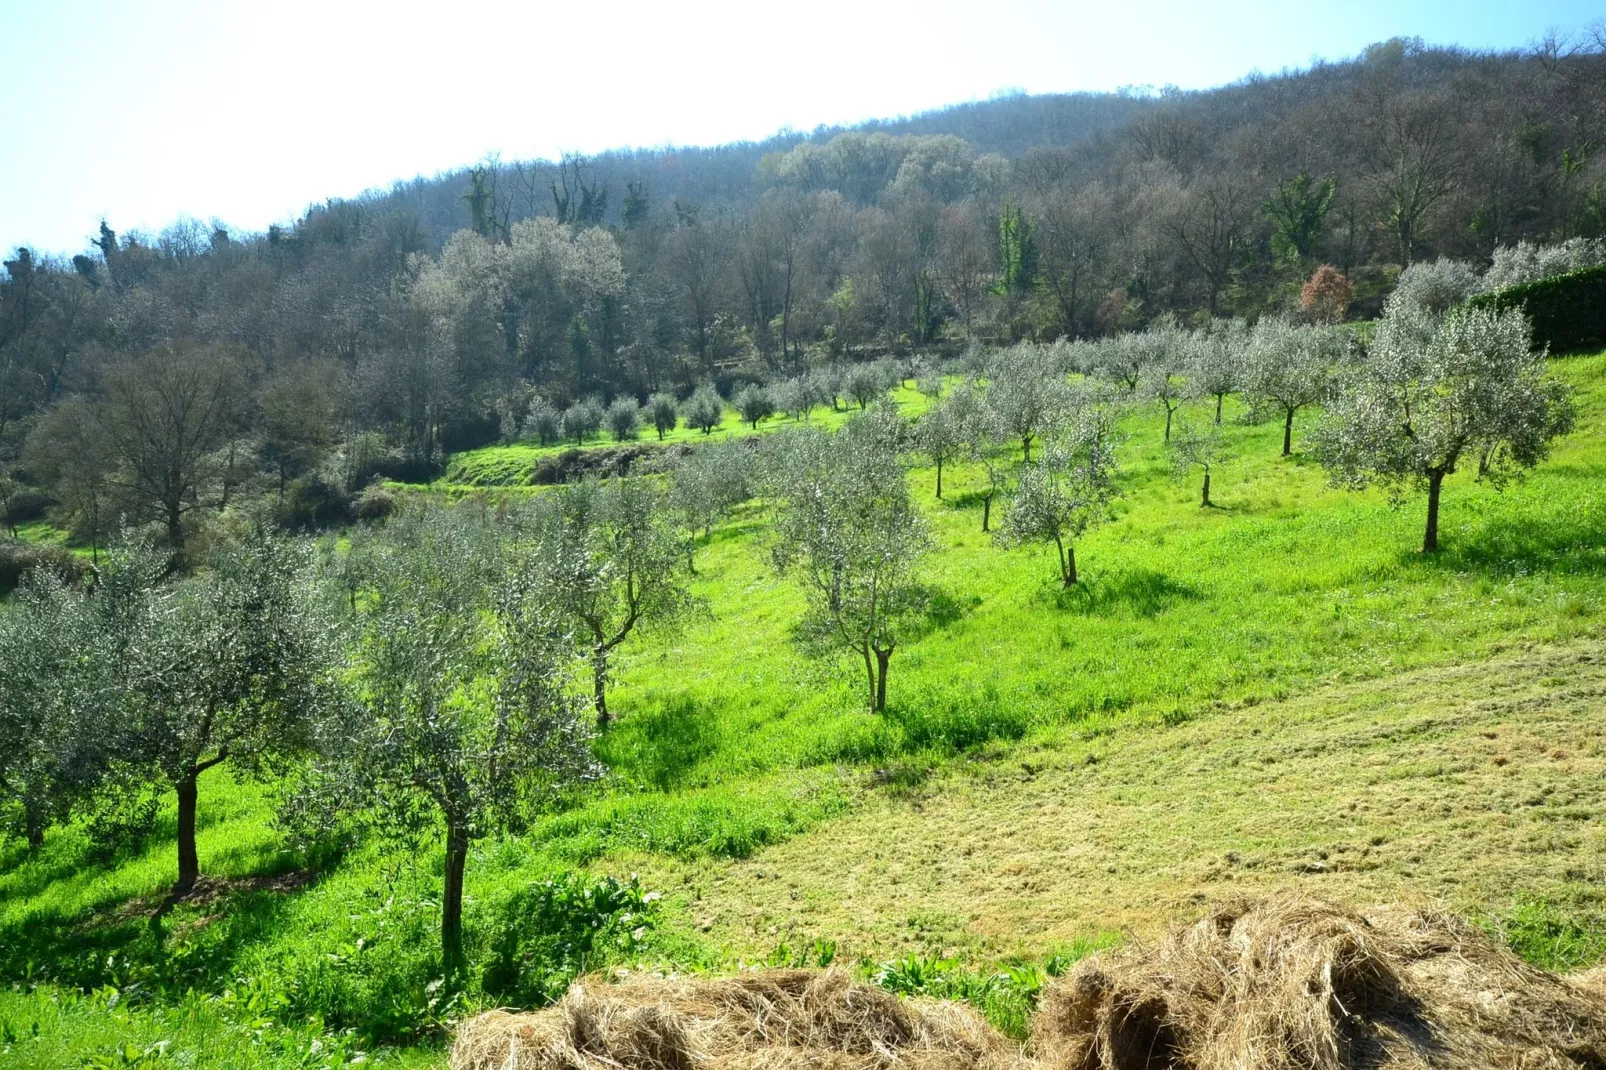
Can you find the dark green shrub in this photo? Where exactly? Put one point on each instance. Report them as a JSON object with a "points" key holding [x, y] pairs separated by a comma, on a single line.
{"points": [[311, 503], [559, 928], [374, 503], [1568, 311], [25, 505], [18, 558]]}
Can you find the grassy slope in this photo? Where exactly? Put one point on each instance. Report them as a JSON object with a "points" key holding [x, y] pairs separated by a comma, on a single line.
{"points": [[1482, 786], [510, 465], [733, 746]]}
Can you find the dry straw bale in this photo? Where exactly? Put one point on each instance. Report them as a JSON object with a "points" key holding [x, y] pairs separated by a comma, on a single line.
{"points": [[768, 1018], [1292, 982]]}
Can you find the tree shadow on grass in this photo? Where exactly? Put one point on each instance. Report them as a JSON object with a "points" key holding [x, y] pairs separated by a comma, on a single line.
{"points": [[1513, 546], [965, 499], [731, 530], [146, 940], [1141, 592], [662, 745], [943, 610]]}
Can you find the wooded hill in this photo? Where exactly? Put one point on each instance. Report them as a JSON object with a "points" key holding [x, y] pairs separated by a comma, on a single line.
{"points": [[390, 329]]}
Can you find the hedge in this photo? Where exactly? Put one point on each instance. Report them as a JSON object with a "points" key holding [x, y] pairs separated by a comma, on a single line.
{"points": [[1568, 311]]}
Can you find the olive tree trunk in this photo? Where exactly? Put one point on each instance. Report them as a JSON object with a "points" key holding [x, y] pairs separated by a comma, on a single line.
{"points": [[1067, 562], [189, 864], [1430, 538], [599, 679], [452, 895]]}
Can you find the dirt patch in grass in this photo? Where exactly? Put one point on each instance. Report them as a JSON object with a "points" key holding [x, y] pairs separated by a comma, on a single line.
{"points": [[1473, 786], [207, 891]]}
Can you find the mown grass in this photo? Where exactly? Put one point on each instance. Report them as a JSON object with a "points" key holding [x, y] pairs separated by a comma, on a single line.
{"points": [[1481, 787], [749, 783]]}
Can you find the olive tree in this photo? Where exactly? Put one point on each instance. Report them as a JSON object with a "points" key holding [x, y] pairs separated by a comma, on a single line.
{"points": [[941, 431], [543, 422], [230, 666], [1433, 287], [1120, 359], [1431, 393], [1204, 448], [864, 383], [1288, 368], [624, 418], [53, 692], [664, 412], [704, 486], [1215, 364], [1026, 393], [986, 444], [1067, 492], [610, 561], [459, 719], [1164, 383], [754, 403], [582, 418], [705, 410], [847, 530], [794, 397], [826, 386]]}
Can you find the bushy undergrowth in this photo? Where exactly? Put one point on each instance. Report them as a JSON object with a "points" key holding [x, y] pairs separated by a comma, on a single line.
{"points": [[563, 927]]}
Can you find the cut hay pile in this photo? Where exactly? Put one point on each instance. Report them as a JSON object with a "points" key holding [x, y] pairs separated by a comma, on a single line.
{"points": [[1293, 983], [770, 1018], [1285, 983]]}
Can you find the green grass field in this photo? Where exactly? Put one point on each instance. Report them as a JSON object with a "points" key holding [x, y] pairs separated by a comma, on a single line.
{"points": [[1277, 691], [510, 465]]}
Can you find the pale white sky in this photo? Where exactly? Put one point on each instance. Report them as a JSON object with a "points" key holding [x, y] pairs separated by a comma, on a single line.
{"points": [[141, 111]]}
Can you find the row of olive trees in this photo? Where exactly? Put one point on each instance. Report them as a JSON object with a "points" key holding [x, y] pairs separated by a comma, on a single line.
{"points": [[1436, 385], [855, 385], [417, 682], [1458, 385]]}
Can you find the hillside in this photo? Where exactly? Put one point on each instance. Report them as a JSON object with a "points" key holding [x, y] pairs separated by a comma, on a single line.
{"points": [[1215, 707]]}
